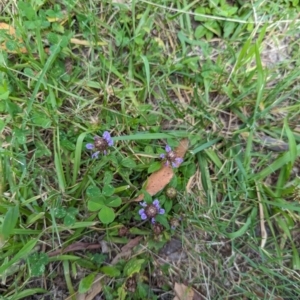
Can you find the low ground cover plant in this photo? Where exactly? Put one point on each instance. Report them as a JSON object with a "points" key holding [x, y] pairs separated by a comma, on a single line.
{"points": [[149, 150]]}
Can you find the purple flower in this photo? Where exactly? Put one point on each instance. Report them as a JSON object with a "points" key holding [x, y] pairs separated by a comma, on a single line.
{"points": [[151, 210], [96, 154], [106, 136], [171, 157], [100, 144]]}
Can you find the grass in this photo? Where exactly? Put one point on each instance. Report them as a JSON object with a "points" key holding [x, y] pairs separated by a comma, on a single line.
{"points": [[222, 74]]}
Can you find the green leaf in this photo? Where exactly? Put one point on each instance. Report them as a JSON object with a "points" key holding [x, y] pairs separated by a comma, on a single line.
{"points": [[142, 291], [200, 32], [214, 27], [59, 212], [110, 271], [133, 266], [106, 215], [10, 221], [154, 167], [162, 220], [20, 135], [189, 170], [41, 150], [228, 28], [70, 216], [26, 10], [98, 259], [168, 205], [41, 120], [20, 255], [148, 149], [37, 263], [108, 176], [128, 163], [93, 192], [96, 203], [86, 283], [122, 293], [67, 145], [108, 190], [202, 11], [114, 201], [25, 294]]}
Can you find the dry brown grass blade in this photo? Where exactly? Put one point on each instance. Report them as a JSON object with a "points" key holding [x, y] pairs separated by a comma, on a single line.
{"points": [[159, 179]]}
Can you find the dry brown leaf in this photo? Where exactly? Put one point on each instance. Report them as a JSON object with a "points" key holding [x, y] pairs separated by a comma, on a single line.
{"points": [[182, 148], [121, 255], [131, 244], [126, 250], [12, 32], [159, 179], [183, 292]]}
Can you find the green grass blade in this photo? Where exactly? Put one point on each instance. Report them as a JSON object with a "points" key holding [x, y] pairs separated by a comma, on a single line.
{"points": [[77, 158], [23, 253], [10, 221]]}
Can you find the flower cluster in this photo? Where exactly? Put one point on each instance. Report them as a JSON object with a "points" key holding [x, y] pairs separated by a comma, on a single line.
{"points": [[100, 144], [150, 211], [171, 157]]}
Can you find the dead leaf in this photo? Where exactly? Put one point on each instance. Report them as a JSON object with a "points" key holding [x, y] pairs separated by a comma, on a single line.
{"points": [[131, 244], [75, 247], [182, 148], [120, 256], [126, 250], [12, 32], [183, 292], [159, 179]]}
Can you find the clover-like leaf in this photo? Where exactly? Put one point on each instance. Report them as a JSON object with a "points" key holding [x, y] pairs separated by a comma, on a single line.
{"points": [[96, 204], [108, 190], [113, 201], [93, 192], [37, 263], [106, 215]]}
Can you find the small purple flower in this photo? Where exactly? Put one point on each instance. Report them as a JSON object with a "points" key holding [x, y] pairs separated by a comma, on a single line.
{"points": [[100, 144], [90, 146], [95, 154], [151, 210], [171, 157], [106, 136]]}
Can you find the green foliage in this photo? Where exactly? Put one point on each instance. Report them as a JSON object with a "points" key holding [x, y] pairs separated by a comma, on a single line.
{"points": [[226, 19], [68, 214], [10, 221], [37, 262], [86, 283], [151, 74], [103, 201], [133, 266]]}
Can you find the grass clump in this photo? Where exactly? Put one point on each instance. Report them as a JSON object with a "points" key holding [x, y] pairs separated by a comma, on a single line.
{"points": [[96, 97]]}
